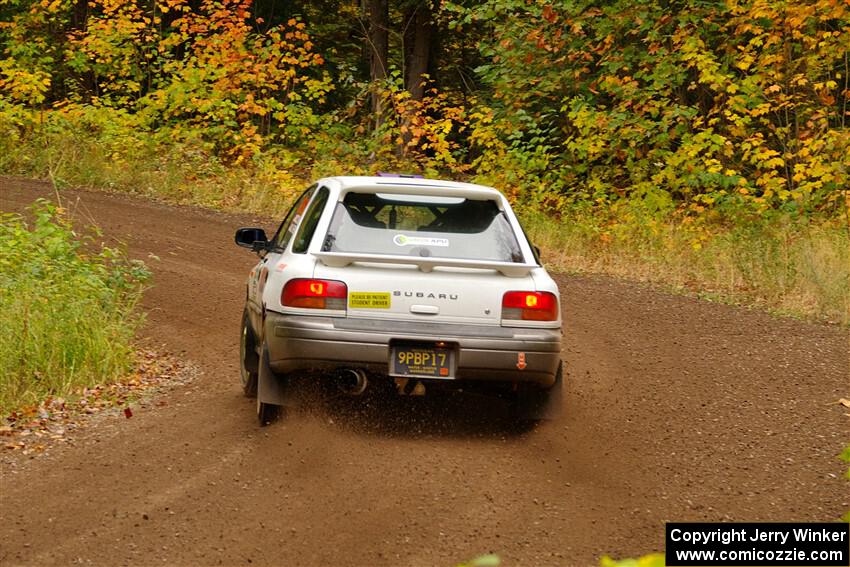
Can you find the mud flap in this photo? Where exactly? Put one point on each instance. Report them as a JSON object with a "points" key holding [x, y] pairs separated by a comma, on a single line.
{"points": [[272, 388], [542, 404]]}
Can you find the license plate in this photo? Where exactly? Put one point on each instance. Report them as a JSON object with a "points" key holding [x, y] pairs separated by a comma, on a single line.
{"points": [[422, 362], [369, 300]]}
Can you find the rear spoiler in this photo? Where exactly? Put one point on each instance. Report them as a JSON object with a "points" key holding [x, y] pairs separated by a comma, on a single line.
{"points": [[426, 264]]}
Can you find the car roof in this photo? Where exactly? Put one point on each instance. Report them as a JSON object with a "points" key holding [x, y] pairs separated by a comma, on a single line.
{"points": [[413, 185]]}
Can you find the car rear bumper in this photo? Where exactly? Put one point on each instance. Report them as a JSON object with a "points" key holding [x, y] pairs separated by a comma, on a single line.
{"points": [[302, 343]]}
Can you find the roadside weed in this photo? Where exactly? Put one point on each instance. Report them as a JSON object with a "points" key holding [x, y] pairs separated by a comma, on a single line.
{"points": [[67, 308]]}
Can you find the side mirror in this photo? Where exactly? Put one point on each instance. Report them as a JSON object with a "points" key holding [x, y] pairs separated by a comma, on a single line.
{"points": [[253, 238]]}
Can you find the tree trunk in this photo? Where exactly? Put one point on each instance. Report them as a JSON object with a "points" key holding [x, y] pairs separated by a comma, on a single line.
{"points": [[87, 80], [418, 56], [379, 23], [408, 38], [79, 15]]}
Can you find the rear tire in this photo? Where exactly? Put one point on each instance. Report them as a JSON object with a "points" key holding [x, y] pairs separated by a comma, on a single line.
{"points": [[268, 413], [248, 359]]}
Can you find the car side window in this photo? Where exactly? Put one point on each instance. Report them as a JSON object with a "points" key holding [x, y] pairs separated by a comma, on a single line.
{"points": [[290, 223], [311, 220]]}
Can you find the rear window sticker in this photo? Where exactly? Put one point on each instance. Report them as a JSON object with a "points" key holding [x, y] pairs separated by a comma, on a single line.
{"points": [[403, 240]]}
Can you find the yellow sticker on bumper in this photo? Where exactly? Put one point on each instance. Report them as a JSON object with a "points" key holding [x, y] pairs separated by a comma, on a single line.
{"points": [[369, 300]]}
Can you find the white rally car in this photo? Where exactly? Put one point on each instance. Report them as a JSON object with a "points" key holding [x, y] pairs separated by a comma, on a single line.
{"points": [[427, 283]]}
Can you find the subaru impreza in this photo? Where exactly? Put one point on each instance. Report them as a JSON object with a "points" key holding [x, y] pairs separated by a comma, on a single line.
{"points": [[413, 283]]}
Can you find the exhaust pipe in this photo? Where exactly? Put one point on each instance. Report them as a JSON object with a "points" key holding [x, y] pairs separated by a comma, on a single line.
{"points": [[352, 381]]}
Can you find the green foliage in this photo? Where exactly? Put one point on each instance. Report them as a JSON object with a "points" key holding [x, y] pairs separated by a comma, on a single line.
{"points": [[592, 102], [489, 560], [845, 456], [198, 72], [628, 96], [67, 311], [652, 560]]}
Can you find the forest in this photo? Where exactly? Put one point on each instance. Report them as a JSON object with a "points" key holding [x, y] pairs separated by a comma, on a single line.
{"points": [[698, 146], [701, 145]]}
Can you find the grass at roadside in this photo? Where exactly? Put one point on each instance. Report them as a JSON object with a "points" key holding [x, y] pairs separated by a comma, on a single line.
{"points": [[99, 155], [791, 270], [68, 311], [789, 267]]}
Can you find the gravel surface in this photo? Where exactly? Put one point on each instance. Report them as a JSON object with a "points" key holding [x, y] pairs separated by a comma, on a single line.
{"points": [[676, 410]]}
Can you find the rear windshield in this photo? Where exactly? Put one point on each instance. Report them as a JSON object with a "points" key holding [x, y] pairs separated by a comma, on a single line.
{"points": [[444, 227]]}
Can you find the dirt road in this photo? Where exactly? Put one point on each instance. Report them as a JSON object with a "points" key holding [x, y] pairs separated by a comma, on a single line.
{"points": [[677, 409]]}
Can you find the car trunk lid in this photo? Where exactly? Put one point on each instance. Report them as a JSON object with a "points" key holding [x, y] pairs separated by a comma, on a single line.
{"points": [[445, 293]]}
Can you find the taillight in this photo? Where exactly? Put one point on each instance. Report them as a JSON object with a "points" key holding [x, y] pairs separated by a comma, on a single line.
{"points": [[530, 306], [314, 294]]}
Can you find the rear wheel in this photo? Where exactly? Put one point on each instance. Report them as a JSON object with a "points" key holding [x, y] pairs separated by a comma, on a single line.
{"points": [[268, 413], [248, 359]]}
